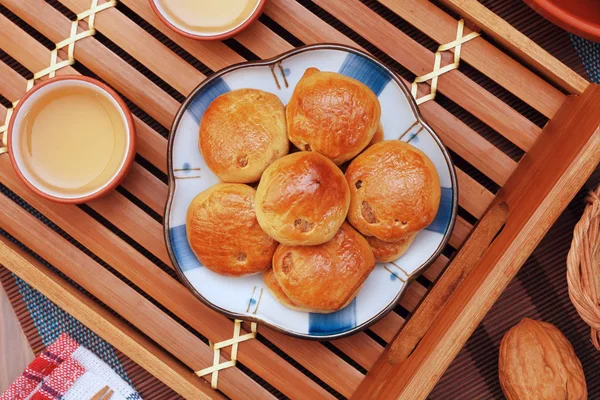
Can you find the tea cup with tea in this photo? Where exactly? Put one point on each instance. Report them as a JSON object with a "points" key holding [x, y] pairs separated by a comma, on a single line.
{"points": [[71, 139]]}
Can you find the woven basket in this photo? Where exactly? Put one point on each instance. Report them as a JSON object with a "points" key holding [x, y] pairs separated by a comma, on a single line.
{"points": [[583, 266]]}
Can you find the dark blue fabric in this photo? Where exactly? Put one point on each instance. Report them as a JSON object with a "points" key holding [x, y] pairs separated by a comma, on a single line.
{"points": [[589, 52]]}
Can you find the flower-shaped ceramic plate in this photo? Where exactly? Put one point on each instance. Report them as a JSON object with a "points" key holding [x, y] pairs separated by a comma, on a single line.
{"points": [[248, 298]]}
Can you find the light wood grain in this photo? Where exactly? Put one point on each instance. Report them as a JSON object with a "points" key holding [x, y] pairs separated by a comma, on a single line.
{"points": [[34, 56], [520, 44], [117, 295], [99, 59], [456, 135], [510, 74], [408, 301], [146, 231], [143, 47], [142, 184], [455, 85], [15, 353], [170, 293], [546, 180], [106, 325], [117, 210], [412, 332]]}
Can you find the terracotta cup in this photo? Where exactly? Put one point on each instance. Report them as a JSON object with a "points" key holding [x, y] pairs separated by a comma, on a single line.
{"points": [[207, 36], [15, 134]]}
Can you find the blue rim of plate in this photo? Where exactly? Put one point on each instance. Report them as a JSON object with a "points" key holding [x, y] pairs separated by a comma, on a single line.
{"points": [[272, 62]]}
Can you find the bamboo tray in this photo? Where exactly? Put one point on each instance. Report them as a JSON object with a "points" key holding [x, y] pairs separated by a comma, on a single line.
{"points": [[522, 128]]}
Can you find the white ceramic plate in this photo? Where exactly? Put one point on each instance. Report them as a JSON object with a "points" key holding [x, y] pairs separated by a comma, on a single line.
{"points": [[247, 298]]}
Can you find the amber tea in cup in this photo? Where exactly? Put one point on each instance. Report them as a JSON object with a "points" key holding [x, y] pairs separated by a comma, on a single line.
{"points": [[71, 139], [207, 19]]}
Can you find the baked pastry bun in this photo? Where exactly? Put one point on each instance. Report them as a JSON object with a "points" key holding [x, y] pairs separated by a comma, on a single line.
{"points": [[241, 133], [324, 278], [224, 234], [395, 190], [277, 292], [332, 114], [302, 199], [390, 251]]}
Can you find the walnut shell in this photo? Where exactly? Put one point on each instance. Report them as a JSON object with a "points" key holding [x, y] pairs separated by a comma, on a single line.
{"points": [[538, 362]]}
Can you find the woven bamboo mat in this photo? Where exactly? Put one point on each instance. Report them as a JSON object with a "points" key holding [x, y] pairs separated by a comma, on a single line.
{"points": [[528, 293]]}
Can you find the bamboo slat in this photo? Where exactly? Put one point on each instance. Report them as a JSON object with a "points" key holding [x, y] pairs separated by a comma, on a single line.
{"points": [[510, 74], [410, 301], [419, 60], [114, 226], [468, 144], [100, 60], [143, 47], [35, 57], [388, 326], [547, 179], [146, 187], [131, 224], [106, 325], [436, 268], [215, 55], [471, 195], [144, 274], [367, 350], [516, 41], [146, 231], [114, 293], [258, 37]]}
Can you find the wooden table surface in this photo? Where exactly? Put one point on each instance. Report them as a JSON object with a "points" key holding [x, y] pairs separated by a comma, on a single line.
{"points": [[145, 180]]}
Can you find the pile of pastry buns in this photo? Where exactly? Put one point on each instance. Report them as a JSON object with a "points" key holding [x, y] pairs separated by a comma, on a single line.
{"points": [[326, 207]]}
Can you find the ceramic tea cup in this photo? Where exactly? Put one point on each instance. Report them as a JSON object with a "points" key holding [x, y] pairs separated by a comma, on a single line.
{"points": [[207, 19], [71, 139]]}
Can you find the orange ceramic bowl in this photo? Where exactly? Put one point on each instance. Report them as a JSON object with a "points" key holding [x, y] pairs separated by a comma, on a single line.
{"points": [[14, 136], [209, 36], [581, 17]]}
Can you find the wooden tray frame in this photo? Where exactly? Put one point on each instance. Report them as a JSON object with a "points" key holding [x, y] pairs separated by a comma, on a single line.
{"points": [[113, 247]]}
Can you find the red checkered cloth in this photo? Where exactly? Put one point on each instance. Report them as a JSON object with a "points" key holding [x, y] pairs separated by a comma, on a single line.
{"points": [[59, 381], [53, 372]]}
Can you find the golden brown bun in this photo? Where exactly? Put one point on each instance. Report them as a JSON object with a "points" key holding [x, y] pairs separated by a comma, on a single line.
{"points": [[395, 190], [223, 232], [390, 251], [324, 278], [277, 292], [378, 136], [302, 199], [332, 114], [241, 133]]}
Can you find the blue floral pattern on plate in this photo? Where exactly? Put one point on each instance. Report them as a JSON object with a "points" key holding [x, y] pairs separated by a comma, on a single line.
{"points": [[247, 297]]}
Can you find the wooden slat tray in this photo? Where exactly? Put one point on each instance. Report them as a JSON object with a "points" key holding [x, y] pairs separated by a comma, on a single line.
{"points": [[516, 173]]}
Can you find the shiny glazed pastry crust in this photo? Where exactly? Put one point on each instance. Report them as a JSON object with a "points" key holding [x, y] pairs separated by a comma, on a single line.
{"points": [[224, 234], [395, 190], [390, 251], [277, 292], [302, 199], [324, 278], [332, 114], [241, 133]]}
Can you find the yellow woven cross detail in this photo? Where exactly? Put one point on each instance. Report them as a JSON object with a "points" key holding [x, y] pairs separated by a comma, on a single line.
{"points": [[437, 71], [54, 65], [233, 342]]}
